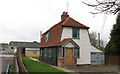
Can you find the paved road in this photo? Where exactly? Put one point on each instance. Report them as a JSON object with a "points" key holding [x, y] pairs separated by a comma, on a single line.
{"points": [[4, 61], [100, 69]]}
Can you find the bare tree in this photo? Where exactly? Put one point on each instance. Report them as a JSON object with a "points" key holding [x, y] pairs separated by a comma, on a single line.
{"points": [[95, 41], [105, 6]]}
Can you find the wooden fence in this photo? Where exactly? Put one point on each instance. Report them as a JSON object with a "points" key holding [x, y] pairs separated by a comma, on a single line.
{"points": [[22, 68], [112, 60]]}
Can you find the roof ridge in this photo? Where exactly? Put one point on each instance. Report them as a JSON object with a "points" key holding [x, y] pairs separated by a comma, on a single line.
{"points": [[65, 20], [78, 22]]}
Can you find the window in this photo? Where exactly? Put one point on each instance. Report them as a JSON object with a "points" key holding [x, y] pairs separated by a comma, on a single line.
{"points": [[45, 54], [50, 53], [34, 52], [78, 52], [11, 47], [40, 52], [3, 49], [75, 33], [46, 37], [63, 52]]}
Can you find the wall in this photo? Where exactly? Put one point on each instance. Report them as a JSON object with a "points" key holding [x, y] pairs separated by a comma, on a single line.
{"points": [[112, 60], [83, 42], [30, 53], [50, 60], [6, 49]]}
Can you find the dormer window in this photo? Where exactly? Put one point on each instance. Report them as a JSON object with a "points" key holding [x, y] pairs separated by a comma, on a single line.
{"points": [[46, 36], [75, 33]]}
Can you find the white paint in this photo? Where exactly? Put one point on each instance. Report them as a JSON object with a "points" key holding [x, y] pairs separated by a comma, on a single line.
{"points": [[69, 44], [84, 43], [32, 48]]}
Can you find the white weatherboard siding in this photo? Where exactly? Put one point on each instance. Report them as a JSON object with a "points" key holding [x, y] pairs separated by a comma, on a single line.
{"points": [[84, 43]]}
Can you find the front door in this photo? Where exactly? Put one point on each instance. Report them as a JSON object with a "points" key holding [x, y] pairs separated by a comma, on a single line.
{"points": [[69, 57]]}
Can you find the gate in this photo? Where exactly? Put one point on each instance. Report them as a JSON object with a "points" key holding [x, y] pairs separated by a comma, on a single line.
{"points": [[97, 58]]}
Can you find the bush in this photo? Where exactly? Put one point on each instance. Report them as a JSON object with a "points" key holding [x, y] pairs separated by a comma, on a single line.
{"points": [[110, 48]]}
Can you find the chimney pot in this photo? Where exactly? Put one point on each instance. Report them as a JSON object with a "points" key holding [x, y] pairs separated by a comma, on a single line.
{"points": [[64, 16], [66, 12]]}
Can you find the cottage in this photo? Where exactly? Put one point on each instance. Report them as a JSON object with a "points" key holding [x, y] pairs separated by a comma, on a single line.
{"points": [[68, 43], [31, 49]]}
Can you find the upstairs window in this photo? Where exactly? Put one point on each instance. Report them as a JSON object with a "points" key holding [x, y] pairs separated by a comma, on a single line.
{"points": [[46, 36], [75, 33]]}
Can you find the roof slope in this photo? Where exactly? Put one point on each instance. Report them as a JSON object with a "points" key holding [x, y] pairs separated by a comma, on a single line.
{"points": [[73, 23], [66, 41], [32, 45], [55, 32]]}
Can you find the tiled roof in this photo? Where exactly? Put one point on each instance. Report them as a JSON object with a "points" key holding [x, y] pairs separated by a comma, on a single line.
{"points": [[54, 36], [73, 23], [18, 43], [56, 30]]}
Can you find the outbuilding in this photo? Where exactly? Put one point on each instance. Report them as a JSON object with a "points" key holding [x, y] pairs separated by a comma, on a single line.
{"points": [[31, 49]]}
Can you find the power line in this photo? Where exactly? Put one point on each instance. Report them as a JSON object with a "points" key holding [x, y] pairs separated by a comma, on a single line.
{"points": [[104, 21]]}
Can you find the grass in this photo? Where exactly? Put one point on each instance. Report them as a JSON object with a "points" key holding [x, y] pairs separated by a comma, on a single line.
{"points": [[33, 66], [36, 58], [12, 67]]}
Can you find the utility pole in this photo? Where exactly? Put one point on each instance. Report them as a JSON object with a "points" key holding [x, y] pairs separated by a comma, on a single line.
{"points": [[98, 40], [40, 35]]}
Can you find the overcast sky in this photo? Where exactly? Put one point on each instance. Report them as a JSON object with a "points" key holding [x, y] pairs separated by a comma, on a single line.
{"points": [[22, 20]]}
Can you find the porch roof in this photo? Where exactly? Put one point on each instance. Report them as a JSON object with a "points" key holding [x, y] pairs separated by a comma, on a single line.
{"points": [[66, 41]]}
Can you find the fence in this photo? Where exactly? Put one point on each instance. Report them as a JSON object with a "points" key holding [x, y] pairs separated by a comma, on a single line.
{"points": [[112, 60], [22, 68]]}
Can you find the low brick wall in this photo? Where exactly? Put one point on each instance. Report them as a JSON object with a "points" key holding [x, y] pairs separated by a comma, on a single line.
{"points": [[60, 62], [22, 68]]}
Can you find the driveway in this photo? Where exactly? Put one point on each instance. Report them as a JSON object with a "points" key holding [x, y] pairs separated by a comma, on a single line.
{"points": [[5, 60], [99, 69]]}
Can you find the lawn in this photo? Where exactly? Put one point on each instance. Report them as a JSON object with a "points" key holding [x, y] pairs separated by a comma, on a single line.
{"points": [[33, 66], [36, 58]]}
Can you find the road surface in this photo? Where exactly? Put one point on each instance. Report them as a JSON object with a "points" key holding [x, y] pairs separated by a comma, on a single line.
{"points": [[5, 60]]}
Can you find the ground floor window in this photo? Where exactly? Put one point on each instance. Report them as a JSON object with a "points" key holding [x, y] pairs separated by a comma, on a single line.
{"points": [[45, 52], [3, 49], [50, 53], [34, 52], [12, 47], [78, 52], [41, 52]]}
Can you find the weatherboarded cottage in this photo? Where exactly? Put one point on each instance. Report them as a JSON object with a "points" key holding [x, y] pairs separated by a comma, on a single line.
{"points": [[68, 44]]}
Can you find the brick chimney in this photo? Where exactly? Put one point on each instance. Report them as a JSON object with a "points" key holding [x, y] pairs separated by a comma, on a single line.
{"points": [[64, 16]]}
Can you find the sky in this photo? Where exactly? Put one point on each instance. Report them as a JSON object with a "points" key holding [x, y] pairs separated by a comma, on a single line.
{"points": [[22, 20]]}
